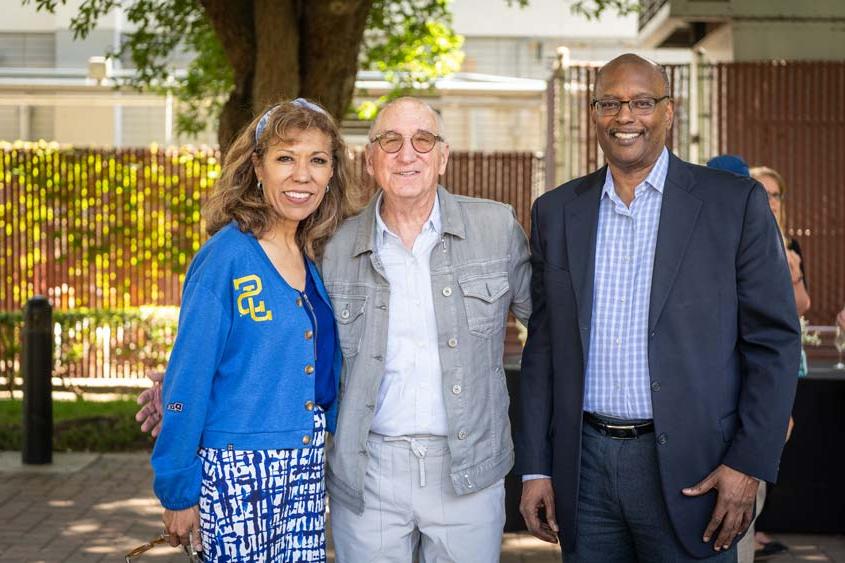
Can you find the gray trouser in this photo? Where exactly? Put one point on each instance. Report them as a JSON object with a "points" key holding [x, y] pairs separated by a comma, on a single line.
{"points": [[745, 547], [411, 509]]}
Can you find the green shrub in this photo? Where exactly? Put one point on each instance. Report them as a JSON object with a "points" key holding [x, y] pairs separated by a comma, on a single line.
{"points": [[80, 426]]}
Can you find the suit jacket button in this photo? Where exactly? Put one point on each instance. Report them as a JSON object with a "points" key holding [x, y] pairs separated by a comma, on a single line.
{"points": [[662, 438], [655, 386]]}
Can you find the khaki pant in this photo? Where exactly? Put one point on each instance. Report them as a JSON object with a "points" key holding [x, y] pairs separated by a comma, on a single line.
{"points": [[745, 547], [411, 509]]}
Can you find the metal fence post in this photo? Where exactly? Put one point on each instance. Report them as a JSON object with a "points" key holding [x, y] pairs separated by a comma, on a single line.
{"points": [[37, 368]]}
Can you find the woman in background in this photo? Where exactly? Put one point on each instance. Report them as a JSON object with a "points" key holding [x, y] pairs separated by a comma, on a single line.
{"points": [[775, 187]]}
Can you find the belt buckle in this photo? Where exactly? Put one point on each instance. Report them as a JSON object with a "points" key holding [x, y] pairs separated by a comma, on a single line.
{"points": [[628, 428]]}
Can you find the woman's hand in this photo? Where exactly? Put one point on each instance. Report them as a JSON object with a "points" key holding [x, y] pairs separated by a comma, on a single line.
{"points": [[179, 523], [802, 298]]}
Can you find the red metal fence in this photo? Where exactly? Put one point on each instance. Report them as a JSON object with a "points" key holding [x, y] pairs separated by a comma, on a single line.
{"points": [[785, 115], [789, 116]]}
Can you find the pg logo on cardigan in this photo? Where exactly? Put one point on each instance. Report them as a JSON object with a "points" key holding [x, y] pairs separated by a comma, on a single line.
{"points": [[250, 287]]}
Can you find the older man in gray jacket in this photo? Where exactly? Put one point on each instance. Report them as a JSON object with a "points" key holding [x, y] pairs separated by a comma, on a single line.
{"points": [[421, 282]]}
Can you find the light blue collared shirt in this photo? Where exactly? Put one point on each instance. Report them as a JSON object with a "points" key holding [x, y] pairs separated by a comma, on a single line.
{"points": [[410, 396], [617, 376]]}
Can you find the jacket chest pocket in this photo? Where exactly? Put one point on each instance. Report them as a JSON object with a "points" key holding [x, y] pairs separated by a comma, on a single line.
{"points": [[485, 302], [349, 314]]}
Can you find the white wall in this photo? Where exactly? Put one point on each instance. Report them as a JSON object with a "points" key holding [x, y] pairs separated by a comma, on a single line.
{"points": [[18, 17], [541, 18], [755, 40]]}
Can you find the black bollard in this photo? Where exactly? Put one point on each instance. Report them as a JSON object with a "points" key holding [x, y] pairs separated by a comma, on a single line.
{"points": [[37, 368]]}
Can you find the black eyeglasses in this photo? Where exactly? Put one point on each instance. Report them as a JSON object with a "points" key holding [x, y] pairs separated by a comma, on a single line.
{"points": [[637, 106], [392, 142]]}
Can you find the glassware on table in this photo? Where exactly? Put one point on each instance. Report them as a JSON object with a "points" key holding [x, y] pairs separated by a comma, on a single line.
{"points": [[839, 342]]}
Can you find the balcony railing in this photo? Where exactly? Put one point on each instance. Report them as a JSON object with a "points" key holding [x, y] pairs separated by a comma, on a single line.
{"points": [[649, 9]]}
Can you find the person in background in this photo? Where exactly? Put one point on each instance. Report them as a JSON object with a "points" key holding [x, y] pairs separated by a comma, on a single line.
{"points": [[252, 381], [775, 187], [750, 544]]}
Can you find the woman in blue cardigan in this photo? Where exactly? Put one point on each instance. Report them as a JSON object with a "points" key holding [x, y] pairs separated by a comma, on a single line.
{"points": [[251, 385]]}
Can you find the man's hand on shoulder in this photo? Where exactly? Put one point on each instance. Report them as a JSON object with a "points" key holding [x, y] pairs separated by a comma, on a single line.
{"points": [[537, 495], [734, 510], [149, 415]]}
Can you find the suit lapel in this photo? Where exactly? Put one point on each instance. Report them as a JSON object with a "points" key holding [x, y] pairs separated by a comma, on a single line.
{"points": [[678, 214], [581, 215]]}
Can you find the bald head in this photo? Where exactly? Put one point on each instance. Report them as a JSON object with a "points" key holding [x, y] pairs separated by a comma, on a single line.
{"points": [[632, 61]]}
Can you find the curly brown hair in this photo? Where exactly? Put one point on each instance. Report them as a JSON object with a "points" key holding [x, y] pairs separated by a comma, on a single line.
{"points": [[237, 197]]}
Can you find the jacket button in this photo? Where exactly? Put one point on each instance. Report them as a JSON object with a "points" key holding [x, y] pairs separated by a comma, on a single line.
{"points": [[344, 314], [662, 438], [456, 389], [447, 291], [306, 440], [309, 406], [453, 342], [299, 302], [462, 435], [309, 334], [655, 386], [309, 369]]}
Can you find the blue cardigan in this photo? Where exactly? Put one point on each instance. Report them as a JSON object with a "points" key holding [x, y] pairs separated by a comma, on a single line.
{"points": [[241, 373]]}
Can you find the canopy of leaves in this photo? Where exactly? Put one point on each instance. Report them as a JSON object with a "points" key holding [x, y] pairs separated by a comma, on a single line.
{"points": [[410, 41]]}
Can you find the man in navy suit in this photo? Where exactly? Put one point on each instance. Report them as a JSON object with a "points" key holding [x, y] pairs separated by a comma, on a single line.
{"points": [[659, 371]]}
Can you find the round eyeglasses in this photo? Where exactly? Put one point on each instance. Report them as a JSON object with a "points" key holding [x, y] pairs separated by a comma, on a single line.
{"points": [[638, 106], [392, 142]]}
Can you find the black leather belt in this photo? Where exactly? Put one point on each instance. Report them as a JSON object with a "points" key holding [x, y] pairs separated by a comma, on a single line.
{"points": [[618, 430]]}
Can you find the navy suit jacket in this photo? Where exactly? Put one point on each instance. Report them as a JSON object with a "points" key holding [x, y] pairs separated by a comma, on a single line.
{"points": [[724, 339]]}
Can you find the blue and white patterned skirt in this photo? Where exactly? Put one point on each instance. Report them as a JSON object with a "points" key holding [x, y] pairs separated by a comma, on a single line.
{"points": [[265, 505]]}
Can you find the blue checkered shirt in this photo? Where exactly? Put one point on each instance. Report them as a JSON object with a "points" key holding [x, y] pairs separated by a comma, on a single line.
{"points": [[617, 378]]}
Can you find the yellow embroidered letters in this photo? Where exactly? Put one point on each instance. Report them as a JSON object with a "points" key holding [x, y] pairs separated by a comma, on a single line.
{"points": [[246, 306]]}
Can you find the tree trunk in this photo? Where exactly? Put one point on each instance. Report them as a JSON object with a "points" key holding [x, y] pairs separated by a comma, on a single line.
{"points": [[233, 23], [332, 32], [281, 49], [277, 39]]}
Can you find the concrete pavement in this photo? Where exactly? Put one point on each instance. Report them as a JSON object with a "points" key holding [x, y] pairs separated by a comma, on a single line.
{"points": [[92, 507]]}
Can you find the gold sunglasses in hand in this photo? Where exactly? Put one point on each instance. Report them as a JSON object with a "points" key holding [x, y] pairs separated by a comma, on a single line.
{"points": [[191, 553]]}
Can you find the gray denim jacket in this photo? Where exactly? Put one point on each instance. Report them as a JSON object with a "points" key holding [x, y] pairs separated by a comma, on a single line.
{"points": [[479, 270]]}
